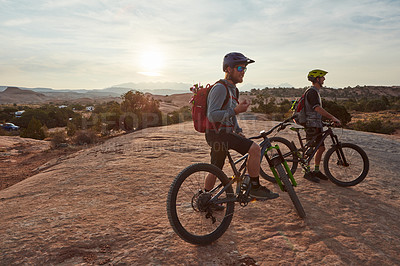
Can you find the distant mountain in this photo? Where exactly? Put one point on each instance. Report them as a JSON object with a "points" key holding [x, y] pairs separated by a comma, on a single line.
{"points": [[13, 95], [156, 88], [3, 88]]}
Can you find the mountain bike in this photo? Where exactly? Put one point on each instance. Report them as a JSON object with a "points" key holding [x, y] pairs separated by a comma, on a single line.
{"points": [[345, 164], [201, 217]]}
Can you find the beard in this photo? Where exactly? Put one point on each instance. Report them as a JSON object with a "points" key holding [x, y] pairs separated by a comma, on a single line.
{"points": [[235, 78]]}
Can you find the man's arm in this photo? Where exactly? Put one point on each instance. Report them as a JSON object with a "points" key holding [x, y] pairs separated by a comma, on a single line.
{"points": [[215, 100], [326, 114], [314, 101]]}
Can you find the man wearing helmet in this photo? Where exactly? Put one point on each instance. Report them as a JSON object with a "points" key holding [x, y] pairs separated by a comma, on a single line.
{"points": [[229, 135], [314, 114]]}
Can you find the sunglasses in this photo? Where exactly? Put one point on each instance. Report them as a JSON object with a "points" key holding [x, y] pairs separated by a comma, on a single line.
{"points": [[240, 69]]}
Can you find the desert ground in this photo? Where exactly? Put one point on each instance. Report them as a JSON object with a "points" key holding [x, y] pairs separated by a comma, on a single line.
{"points": [[106, 205]]}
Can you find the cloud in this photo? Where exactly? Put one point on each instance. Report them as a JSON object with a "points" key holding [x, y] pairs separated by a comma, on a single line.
{"points": [[286, 38], [16, 22]]}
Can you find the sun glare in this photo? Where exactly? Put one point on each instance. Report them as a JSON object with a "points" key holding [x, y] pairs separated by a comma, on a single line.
{"points": [[151, 62]]}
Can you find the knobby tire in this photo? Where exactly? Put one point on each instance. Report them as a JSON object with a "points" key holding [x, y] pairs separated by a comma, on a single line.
{"points": [[346, 175], [188, 222], [290, 190]]}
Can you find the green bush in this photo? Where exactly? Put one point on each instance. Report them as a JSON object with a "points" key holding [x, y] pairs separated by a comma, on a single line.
{"points": [[48, 115], [375, 125], [140, 111], [58, 138], [339, 111], [35, 130], [71, 129], [83, 137], [181, 115]]}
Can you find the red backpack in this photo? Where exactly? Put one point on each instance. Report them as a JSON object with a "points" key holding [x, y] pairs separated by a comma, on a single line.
{"points": [[199, 107]]}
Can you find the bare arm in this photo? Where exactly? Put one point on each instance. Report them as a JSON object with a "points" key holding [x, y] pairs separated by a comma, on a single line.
{"points": [[326, 114]]}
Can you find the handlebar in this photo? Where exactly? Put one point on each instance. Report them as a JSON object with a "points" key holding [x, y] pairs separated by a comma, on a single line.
{"points": [[330, 124], [282, 125]]}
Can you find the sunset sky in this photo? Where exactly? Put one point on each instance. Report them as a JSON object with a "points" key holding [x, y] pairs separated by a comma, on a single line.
{"points": [[94, 44]]}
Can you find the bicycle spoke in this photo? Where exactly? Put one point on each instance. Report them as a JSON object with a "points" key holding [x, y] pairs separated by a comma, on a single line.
{"points": [[349, 170], [193, 217]]}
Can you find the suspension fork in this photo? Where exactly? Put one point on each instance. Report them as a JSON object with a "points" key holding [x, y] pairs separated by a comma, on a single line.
{"points": [[276, 160], [339, 151]]}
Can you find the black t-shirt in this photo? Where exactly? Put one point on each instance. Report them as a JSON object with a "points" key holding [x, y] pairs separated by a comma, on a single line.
{"points": [[313, 99]]}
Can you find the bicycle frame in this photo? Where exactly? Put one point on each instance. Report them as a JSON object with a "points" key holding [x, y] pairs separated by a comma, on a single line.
{"points": [[239, 173], [306, 158]]}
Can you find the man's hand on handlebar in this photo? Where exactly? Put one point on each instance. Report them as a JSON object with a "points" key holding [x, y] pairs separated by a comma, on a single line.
{"points": [[336, 122], [331, 123]]}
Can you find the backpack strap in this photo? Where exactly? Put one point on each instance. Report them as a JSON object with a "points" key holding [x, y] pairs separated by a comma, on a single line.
{"points": [[227, 93], [217, 125], [306, 104]]}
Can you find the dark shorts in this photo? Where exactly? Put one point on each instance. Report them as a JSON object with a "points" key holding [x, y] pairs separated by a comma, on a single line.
{"points": [[314, 131], [221, 142]]}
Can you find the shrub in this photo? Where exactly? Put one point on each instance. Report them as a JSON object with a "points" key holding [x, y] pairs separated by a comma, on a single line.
{"points": [[58, 138], [71, 129], [181, 115], [35, 130], [83, 137], [339, 111], [375, 125]]}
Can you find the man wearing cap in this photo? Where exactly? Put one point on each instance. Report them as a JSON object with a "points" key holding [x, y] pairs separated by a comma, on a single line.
{"points": [[314, 114], [229, 135]]}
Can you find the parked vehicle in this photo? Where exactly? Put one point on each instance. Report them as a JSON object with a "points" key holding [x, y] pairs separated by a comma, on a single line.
{"points": [[9, 126]]}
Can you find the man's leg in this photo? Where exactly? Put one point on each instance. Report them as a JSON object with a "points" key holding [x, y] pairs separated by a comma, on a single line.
{"points": [[218, 155], [209, 182], [318, 155], [317, 161], [311, 132], [253, 167], [253, 163]]}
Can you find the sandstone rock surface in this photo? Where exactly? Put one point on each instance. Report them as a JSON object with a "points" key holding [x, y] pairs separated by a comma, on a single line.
{"points": [[107, 206]]}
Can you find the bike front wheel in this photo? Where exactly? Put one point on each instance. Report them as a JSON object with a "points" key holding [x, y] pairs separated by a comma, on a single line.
{"points": [[346, 164], [290, 190], [189, 210], [288, 151]]}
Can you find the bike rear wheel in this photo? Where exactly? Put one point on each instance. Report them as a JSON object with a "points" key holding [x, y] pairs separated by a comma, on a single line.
{"points": [[287, 150], [348, 170], [189, 211], [290, 190]]}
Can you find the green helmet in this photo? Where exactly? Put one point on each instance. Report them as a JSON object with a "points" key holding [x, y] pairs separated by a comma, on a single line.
{"points": [[316, 73]]}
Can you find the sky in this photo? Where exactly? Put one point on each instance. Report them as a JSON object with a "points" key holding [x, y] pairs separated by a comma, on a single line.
{"points": [[94, 44]]}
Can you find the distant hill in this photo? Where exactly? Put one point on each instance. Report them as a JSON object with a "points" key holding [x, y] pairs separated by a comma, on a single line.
{"points": [[11, 95], [345, 93], [15, 95], [249, 86], [20, 95]]}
